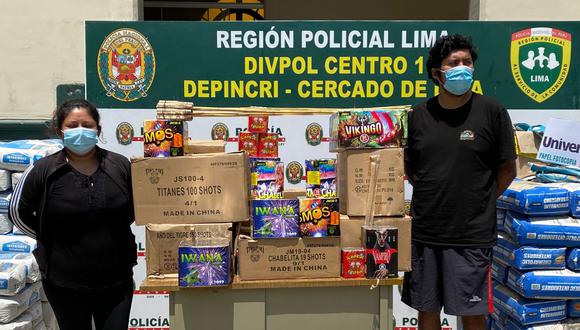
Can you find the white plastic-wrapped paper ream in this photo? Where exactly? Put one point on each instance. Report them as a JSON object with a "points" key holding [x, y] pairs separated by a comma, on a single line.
{"points": [[48, 316], [17, 243], [12, 277], [27, 321], [36, 311], [16, 176], [5, 223], [18, 155], [28, 260], [12, 307], [40, 326], [5, 180]]}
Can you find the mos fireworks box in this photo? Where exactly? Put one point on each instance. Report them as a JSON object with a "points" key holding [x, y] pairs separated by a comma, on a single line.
{"points": [[258, 124], [319, 217], [368, 129], [354, 175], [248, 142], [205, 188], [204, 264], [289, 258], [321, 178], [381, 251], [162, 243], [164, 138], [267, 178], [268, 145], [353, 262], [275, 218]]}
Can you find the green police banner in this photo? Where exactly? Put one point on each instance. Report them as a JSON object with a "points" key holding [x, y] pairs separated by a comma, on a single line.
{"points": [[525, 65]]}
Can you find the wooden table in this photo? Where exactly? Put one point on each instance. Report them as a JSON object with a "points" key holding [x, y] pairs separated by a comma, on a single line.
{"points": [[304, 304]]}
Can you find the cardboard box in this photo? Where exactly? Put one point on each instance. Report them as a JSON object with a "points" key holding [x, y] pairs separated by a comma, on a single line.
{"points": [[205, 147], [162, 243], [527, 143], [205, 188], [351, 235], [354, 178], [289, 258]]}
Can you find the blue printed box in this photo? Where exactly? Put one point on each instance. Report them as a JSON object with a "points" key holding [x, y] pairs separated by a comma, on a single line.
{"points": [[499, 271], [275, 218], [204, 265], [556, 231], [545, 284], [534, 198], [528, 257]]}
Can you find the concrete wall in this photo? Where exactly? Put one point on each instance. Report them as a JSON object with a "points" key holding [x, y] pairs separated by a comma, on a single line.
{"points": [[42, 46], [527, 10]]}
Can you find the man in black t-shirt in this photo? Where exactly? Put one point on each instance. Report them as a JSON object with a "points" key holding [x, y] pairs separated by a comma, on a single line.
{"points": [[460, 157]]}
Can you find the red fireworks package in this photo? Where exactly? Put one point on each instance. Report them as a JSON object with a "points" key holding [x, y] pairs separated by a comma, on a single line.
{"points": [[353, 263], [248, 142], [268, 145], [258, 124]]}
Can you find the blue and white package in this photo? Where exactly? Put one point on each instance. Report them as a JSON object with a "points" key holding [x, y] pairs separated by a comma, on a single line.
{"points": [[528, 257], [5, 223], [12, 277], [499, 318], [12, 307], [572, 259], [18, 155], [527, 311], [5, 180], [534, 198], [29, 262], [543, 231], [499, 271], [574, 193], [512, 324], [545, 284], [17, 243], [500, 217], [573, 307]]}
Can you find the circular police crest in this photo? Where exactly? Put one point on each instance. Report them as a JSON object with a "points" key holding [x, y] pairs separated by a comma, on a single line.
{"points": [[294, 172], [126, 65], [220, 131], [124, 133], [314, 134]]}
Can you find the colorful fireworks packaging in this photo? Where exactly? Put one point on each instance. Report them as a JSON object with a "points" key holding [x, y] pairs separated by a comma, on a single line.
{"points": [[268, 145], [353, 263], [267, 179], [381, 251], [204, 263], [321, 178], [368, 129], [319, 217], [164, 138], [258, 124], [248, 142], [277, 218]]}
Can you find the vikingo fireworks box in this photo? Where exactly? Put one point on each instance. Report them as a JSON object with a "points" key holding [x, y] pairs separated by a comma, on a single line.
{"points": [[381, 251], [164, 138], [320, 178], [275, 218], [204, 263], [267, 179], [319, 217], [368, 129]]}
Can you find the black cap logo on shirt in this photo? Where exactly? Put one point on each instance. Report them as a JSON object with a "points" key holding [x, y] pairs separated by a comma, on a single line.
{"points": [[467, 135]]}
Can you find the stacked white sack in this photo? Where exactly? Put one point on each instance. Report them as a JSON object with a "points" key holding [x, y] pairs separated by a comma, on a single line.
{"points": [[12, 278], [12, 307], [18, 155], [5, 223], [28, 260], [5, 180]]}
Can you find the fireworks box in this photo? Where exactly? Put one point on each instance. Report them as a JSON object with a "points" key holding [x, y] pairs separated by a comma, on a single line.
{"points": [[368, 129], [204, 264], [258, 124], [573, 308], [351, 235], [534, 198], [289, 258], [205, 147], [572, 259], [164, 138], [162, 243], [543, 231], [248, 142], [353, 262], [545, 284], [275, 218], [267, 178], [354, 179], [528, 257], [268, 145], [204, 188], [499, 271], [381, 251], [321, 178], [319, 217], [527, 311]]}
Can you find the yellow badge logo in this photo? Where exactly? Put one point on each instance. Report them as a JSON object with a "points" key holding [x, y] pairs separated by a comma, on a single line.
{"points": [[540, 61]]}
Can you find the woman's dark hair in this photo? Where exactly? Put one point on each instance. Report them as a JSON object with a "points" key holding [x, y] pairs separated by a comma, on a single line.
{"points": [[445, 46], [64, 109]]}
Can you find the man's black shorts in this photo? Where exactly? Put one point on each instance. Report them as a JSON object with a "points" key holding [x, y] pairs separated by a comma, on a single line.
{"points": [[457, 279]]}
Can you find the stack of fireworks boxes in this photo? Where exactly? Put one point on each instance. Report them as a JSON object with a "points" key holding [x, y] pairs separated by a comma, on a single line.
{"points": [[370, 250], [535, 262], [274, 215]]}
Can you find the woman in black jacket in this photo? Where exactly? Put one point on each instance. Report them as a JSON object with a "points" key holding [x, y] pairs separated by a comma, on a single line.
{"points": [[77, 203]]}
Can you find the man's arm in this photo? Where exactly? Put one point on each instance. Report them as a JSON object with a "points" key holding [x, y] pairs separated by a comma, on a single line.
{"points": [[409, 172], [506, 172]]}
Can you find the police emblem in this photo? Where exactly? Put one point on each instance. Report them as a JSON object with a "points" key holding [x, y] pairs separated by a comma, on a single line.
{"points": [[294, 172], [220, 131], [314, 134], [540, 61], [126, 65], [125, 133]]}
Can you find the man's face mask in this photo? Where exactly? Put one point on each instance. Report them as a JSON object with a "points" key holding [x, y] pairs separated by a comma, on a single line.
{"points": [[458, 80]]}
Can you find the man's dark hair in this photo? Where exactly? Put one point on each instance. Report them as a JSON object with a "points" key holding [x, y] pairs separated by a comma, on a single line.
{"points": [[445, 46]]}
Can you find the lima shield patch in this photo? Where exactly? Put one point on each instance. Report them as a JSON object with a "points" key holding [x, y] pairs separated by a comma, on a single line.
{"points": [[540, 61], [126, 65]]}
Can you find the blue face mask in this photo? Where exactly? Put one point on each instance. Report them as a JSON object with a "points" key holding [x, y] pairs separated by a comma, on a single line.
{"points": [[80, 140], [458, 80]]}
